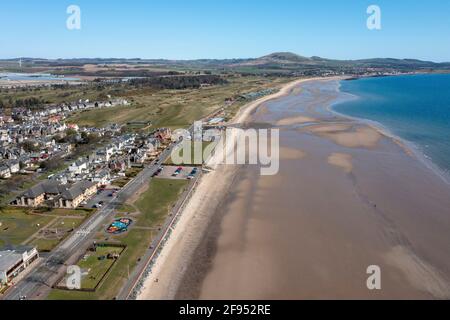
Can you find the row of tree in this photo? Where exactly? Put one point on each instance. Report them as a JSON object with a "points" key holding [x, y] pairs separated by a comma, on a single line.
{"points": [[178, 82], [30, 103]]}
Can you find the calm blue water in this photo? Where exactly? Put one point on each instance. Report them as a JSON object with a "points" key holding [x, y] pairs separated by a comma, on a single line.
{"points": [[35, 76], [415, 108]]}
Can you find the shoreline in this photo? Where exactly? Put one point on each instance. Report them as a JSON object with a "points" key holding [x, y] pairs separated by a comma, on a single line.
{"points": [[189, 255], [409, 146], [152, 288]]}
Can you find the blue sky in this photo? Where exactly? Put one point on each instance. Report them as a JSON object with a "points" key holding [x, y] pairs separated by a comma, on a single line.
{"points": [[191, 29]]}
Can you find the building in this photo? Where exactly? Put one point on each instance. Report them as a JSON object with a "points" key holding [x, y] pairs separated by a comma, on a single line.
{"points": [[37, 195], [163, 134], [5, 172], [102, 177], [76, 194], [14, 261], [54, 194], [79, 167], [14, 166]]}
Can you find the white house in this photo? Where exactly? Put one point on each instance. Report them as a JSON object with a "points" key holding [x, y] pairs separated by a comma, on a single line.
{"points": [[15, 261], [5, 173], [14, 166], [79, 167]]}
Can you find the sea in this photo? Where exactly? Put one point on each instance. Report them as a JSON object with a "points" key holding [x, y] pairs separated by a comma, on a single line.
{"points": [[415, 108]]}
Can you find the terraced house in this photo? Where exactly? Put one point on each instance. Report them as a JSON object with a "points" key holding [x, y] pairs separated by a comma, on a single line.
{"points": [[53, 194]]}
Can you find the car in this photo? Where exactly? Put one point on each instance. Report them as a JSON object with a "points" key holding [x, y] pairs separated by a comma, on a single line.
{"points": [[177, 172]]}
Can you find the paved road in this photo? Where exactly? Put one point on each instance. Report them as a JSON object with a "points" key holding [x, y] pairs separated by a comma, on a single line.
{"points": [[47, 272]]}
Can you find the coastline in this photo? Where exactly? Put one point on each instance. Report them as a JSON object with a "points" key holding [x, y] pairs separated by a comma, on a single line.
{"points": [[197, 215], [409, 146], [193, 264]]}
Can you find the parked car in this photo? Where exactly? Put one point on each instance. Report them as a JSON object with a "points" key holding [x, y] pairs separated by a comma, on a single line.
{"points": [[177, 172], [193, 174]]}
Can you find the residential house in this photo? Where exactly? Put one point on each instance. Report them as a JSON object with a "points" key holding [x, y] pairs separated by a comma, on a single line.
{"points": [[14, 166], [54, 194], [79, 167], [102, 177], [72, 197], [5, 173]]}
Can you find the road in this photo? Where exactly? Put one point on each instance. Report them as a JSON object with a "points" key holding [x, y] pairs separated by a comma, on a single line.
{"points": [[51, 267]]}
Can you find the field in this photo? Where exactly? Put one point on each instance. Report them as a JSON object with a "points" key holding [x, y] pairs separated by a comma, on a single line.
{"points": [[154, 205], [18, 225], [174, 108], [205, 144], [57, 95], [156, 202], [25, 226], [95, 265]]}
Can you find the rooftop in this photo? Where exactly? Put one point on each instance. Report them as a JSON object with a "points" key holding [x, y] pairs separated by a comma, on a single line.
{"points": [[11, 256], [8, 259]]}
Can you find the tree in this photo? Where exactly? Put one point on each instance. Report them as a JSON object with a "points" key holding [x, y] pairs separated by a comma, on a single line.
{"points": [[29, 146], [52, 164]]}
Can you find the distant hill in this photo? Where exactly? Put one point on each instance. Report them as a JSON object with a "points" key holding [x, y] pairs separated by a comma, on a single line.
{"points": [[288, 58], [280, 63]]}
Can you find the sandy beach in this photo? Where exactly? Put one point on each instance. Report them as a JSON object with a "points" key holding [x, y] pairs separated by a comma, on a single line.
{"points": [[346, 197]]}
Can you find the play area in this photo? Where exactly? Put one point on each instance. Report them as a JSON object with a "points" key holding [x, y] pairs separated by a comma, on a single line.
{"points": [[119, 226]]}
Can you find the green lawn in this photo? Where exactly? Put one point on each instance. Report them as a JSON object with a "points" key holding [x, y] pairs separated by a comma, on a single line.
{"points": [[17, 225], [95, 267], [126, 208], [62, 224], [192, 161], [154, 204], [65, 212]]}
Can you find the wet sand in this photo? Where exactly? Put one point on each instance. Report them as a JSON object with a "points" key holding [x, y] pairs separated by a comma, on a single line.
{"points": [[346, 197]]}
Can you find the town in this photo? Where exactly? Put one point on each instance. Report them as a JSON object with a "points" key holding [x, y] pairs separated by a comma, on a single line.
{"points": [[77, 175]]}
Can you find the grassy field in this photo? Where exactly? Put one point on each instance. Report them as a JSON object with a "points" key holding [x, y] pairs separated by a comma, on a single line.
{"points": [[19, 224], [169, 161], [154, 205], [64, 226], [58, 95], [156, 202], [174, 108], [96, 266]]}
